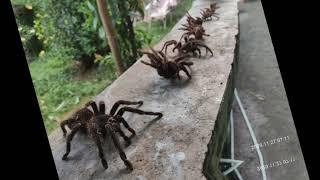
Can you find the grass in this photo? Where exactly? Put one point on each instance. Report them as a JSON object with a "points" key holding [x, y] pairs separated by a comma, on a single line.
{"points": [[61, 89]]}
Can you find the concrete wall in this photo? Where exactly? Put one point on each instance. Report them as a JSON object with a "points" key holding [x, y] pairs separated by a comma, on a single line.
{"points": [[220, 140], [187, 142]]}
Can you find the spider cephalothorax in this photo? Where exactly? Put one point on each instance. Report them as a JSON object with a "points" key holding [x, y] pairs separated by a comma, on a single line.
{"points": [[101, 124], [165, 68], [196, 30], [207, 13], [189, 45]]}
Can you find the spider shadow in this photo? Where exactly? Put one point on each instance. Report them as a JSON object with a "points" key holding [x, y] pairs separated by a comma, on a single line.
{"points": [[179, 83], [134, 138]]}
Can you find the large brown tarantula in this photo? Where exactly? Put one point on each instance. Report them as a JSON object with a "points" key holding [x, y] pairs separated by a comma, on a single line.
{"points": [[190, 45], [196, 30], [165, 68], [194, 21], [207, 13], [97, 124]]}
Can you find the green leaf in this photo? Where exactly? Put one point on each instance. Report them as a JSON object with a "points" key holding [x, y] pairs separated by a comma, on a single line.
{"points": [[102, 34], [95, 22], [90, 6]]}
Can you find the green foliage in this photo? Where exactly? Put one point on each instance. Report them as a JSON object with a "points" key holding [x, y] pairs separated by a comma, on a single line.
{"points": [[59, 88], [137, 6], [24, 2], [142, 37], [24, 18], [69, 23], [71, 29], [32, 46], [122, 20]]}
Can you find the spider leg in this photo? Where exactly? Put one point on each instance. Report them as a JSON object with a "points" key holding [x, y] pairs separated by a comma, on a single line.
{"points": [[138, 111], [152, 65], [62, 126], [93, 105], [156, 54], [168, 43], [153, 58], [101, 154], [177, 46], [183, 29], [183, 68], [123, 102], [121, 152], [185, 34], [126, 138], [186, 63], [102, 107], [69, 139], [188, 14], [126, 125], [207, 48], [181, 58], [178, 76], [163, 56], [197, 49]]}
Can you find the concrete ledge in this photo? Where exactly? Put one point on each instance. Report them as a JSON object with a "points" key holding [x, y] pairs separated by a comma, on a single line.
{"points": [[187, 142]]}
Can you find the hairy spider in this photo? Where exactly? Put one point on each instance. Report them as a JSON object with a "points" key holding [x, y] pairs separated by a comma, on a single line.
{"points": [[100, 123], [190, 45], [165, 68], [193, 21], [207, 13], [81, 116], [196, 30]]}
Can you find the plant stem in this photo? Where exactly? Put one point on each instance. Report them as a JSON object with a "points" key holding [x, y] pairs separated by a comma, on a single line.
{"points": [[102, 7]]}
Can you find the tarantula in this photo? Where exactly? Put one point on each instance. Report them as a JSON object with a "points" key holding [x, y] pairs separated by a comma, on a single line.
{"points": [[81, 116], [190, 45], [207, 13], [165, 68], [196, 30], [193, 21], [97, 124]]}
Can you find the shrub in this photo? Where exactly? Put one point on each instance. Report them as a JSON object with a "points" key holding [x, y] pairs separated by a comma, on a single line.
{"points": [[71, 24], [24, 18]]}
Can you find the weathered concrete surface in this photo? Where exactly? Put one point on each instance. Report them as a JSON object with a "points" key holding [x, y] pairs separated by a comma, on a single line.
{"points": [[262, 93], [176, 146]]}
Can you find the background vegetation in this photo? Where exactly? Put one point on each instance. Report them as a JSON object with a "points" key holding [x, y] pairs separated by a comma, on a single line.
{"points": [[69, 58]]}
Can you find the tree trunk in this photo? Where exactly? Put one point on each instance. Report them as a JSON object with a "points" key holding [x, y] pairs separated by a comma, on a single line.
{"points": [[104, 15], [132, 38]]}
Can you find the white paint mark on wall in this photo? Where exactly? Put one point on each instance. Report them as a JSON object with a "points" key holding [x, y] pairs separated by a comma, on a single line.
{"points": [[176, 159]]}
